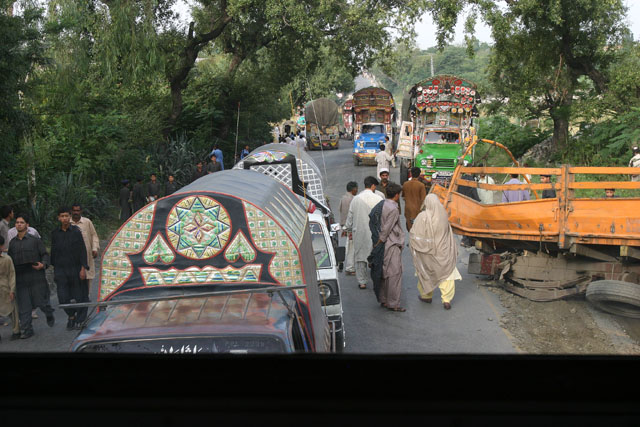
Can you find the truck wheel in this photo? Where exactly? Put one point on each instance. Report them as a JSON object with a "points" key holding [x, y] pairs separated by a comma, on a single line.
{"points": [[356, 162], [615, 297], [404, 172]]}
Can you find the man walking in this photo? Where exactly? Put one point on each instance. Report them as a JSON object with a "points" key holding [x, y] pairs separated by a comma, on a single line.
{"points": [[153, 189], [124, 200], [434, 252], [139, 195], [509, 196], [69, 259], [345, 203], [358, 224], [92, 246], [30, 260], [8, 304], [413, 192], [383, 159], [392, 236]]}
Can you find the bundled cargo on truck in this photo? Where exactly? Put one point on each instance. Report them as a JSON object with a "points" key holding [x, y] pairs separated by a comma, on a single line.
{"points": [[322, 120]]}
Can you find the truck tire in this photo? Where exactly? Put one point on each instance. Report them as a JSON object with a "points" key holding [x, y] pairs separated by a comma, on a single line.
{"points": [[615, 297], [404, 172], [356, 162]]}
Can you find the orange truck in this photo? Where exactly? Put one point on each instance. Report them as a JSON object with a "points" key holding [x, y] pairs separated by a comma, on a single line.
{"points": [[551, 248]]}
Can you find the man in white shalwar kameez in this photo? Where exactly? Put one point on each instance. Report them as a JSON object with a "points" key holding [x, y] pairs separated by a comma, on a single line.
{"points": [[358, 224]]}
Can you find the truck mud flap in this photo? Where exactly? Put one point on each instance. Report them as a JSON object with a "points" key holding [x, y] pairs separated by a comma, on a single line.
{"points": [[546, 290]]}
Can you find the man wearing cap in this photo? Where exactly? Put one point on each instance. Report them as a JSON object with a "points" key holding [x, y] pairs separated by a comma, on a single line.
{"points": [[124, 200], [635, 162]]}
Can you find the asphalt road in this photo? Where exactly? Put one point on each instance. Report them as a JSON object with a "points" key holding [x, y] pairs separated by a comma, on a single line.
{"points": [[470, 327]]}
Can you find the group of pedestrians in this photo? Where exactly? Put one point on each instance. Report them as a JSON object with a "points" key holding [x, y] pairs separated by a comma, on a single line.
{"points": [[24, 260], [133, 199], [375, 239]]}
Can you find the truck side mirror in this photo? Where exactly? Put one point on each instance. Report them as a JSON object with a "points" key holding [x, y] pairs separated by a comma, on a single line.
{"points": [[340, 254]]}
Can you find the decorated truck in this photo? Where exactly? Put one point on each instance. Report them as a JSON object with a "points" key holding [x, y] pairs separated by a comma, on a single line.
{"points": [[374, 118], [322, 120], [347, 118], [437, 126]]}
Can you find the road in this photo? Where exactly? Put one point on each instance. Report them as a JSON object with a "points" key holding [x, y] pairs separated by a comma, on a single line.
{"points": [[471, 326]]}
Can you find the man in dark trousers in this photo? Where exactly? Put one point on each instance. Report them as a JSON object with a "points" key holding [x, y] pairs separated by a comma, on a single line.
{"points": [[124, 200], [139, 195], [30, 260], [69, 259]]}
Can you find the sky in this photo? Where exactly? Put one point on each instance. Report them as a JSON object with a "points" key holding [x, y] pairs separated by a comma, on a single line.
{"points": [[426, 30], [427, 36]]}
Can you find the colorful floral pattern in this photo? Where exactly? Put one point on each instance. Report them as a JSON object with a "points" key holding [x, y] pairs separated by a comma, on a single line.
{"points": [[198, 227]]}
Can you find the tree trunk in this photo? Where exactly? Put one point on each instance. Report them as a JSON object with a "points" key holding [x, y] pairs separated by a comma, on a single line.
{"points": [[560, 114]]}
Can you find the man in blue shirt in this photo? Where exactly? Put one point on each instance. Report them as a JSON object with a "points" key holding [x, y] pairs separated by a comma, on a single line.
{"points": [[509, 196], [218, 153], [245, 152]]}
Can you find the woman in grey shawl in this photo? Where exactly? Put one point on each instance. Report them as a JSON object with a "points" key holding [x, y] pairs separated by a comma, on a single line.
{"points": [[434, 251]]}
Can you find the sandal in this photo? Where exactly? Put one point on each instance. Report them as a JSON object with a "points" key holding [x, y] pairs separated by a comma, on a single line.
{"points": [[447, 306], [427, 300], [362, 286], [401, 309], [384, 304]]}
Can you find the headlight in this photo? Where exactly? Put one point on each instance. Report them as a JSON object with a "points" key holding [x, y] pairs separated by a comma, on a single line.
{"points": [[325, 291], [423, 162], [329, 292]]}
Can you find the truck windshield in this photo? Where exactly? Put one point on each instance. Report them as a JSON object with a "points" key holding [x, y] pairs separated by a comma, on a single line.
{"points": [[319, 243], [372, 129], [434, 137]]}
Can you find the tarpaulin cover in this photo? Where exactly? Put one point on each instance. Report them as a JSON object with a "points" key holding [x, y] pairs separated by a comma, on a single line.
{"points": [[322, 111]]}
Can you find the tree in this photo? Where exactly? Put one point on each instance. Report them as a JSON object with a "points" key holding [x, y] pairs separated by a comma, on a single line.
{"points": [[542, 48]]}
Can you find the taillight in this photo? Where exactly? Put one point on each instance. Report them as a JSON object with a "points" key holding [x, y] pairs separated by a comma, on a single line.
{"points": [[420, 151]]}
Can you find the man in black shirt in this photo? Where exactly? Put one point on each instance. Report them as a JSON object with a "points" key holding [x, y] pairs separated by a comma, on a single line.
{"points": [[547, 194], [30, 260], [153, 189], [170, 187], [69, 259], [139, 195]]}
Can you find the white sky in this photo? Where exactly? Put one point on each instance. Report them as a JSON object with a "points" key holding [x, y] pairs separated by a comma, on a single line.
{"points": [[427, 36], [426, 30]]}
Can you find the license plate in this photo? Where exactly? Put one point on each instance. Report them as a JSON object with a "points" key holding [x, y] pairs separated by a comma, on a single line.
{"points": [[445, 173], [371, 151]]}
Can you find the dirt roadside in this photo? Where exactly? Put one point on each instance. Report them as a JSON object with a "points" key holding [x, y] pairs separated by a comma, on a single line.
{"points": [[569, 326]]}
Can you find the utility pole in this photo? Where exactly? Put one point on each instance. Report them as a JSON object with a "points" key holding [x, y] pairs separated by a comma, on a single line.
{"points": [[432, 73]]}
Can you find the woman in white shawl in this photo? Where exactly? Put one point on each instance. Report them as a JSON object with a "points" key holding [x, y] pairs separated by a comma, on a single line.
{"points": [[434, 251]]}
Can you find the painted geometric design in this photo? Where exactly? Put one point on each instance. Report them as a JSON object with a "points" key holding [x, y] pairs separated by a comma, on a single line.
{"points": [[269, 237], [159, 249], [198, 227], [267, 156], [250, 273], [240, 248], [313, 180], [131, 239]]}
